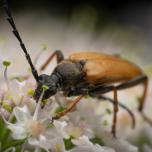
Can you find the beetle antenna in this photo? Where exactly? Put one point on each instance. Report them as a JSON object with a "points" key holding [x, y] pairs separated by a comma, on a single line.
{"points": [[17, 35]]}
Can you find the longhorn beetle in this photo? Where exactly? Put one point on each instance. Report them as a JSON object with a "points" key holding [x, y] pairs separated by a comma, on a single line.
{"points": [[86, 73]]}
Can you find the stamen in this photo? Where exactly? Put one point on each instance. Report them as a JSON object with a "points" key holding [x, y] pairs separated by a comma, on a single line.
{"points": [[6, 64], [38, 106], [44, 88]]}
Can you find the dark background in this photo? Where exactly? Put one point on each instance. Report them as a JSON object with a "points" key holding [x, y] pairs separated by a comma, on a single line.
{"points": [[128, 12]]}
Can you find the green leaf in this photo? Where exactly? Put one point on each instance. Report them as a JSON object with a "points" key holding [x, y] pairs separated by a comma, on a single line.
{"points": [[97, 140], [2, 128], [4, 132], [13, 143], [68, 143]]}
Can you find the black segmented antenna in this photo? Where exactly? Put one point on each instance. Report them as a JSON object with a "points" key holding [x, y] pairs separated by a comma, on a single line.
{"points": [[17, 35]]}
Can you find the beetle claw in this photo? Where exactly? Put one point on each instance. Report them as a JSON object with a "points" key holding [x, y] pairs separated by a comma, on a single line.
{"points": [[54, 118]]}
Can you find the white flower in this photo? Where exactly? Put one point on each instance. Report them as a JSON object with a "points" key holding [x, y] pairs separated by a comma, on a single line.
{"points": [[34, 126], [25, 126], [60, 128], [36, 131], [56, 135], [89, 117], [119, 144], [142, 133], [92, 114], [84, 145], [18, 94]]}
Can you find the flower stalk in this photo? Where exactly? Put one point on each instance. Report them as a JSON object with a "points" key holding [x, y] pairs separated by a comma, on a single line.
{"points": [[6, 64]]}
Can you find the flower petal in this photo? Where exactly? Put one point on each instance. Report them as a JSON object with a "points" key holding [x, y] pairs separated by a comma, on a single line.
{"points": [[40, 142], [60, 125], [121, 145], [83, 144], [22, 113], [83, 140], [18, 132], [57, 145]]}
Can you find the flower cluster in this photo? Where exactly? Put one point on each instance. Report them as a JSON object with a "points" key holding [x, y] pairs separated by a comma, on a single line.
{"points": [[26, 126]]}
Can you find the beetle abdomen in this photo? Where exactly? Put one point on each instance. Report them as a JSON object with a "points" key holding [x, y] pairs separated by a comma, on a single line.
{"points": [[109, 71], [106, 68]]}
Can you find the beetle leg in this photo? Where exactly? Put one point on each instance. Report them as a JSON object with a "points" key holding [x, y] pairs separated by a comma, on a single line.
{"points": [[59, 55], [104, 89], [115, 106], [115, 110], [141, 79], [122, 106], [98, 95], [68, 109], [142, 99]]}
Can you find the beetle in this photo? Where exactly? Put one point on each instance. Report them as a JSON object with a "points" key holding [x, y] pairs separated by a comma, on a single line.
{"points": [[86, 73]]}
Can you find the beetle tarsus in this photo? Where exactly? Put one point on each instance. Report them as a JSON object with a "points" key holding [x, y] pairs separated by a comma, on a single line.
{"points": [[113, 132], [54, 118]]}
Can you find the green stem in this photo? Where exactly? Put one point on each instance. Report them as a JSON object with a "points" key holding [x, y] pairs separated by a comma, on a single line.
{"points": [[23, 146], [3, 131], [13, 144], [6, 131], [6, 78]]}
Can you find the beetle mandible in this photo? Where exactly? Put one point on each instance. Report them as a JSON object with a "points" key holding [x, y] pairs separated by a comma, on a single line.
{"points": [[85, 73]]}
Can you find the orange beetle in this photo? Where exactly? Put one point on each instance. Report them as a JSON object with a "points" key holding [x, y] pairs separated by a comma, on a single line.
{"points": [[86, 73]]}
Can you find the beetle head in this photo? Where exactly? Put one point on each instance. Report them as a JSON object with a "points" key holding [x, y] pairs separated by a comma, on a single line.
{"points": [[45, 80]]}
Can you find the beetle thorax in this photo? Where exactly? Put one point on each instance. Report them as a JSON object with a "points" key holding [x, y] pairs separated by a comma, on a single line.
{"points": [[70, 72]]}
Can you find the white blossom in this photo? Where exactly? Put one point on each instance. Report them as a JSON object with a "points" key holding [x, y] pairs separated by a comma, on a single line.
{"points": [[36, 130], [120, 145], [84, 145]]}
